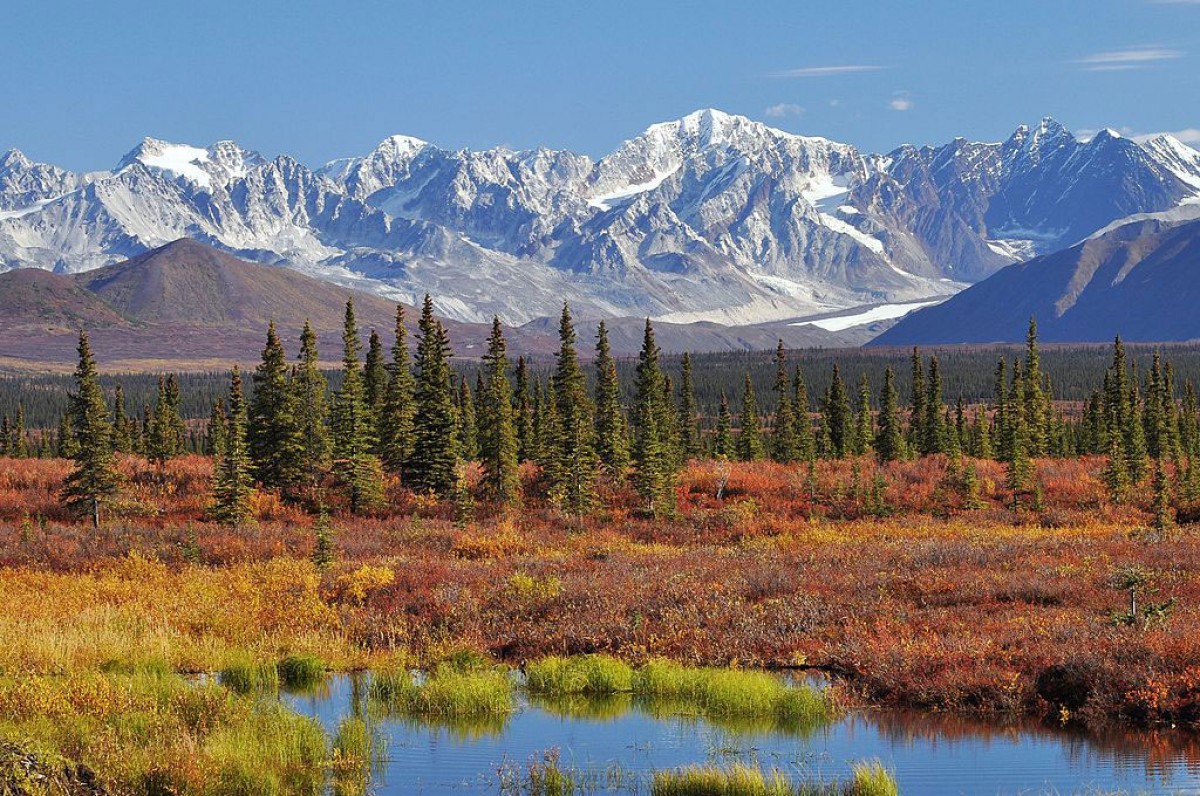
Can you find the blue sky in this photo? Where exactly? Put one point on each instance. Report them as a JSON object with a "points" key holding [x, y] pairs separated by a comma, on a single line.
{"points": [[85, 81]]}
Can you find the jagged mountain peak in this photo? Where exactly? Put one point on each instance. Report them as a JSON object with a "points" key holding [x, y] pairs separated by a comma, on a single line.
{"points": [[14, 158], [225, 160]]}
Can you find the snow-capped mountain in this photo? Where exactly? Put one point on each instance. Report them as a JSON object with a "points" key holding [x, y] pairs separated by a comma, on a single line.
{"points": [[711, 216]]}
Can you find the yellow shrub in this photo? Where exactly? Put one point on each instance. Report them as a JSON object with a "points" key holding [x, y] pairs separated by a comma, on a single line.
{"points": [[355, 586]]}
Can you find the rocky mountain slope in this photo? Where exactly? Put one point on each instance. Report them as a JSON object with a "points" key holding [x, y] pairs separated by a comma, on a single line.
{"points": [[186, 305], [1140, 281]]}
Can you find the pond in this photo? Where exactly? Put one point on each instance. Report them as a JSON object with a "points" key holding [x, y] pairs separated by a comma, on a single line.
{"points": [[619, 742]]}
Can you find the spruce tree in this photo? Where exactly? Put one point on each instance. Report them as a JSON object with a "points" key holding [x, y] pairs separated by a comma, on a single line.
{"points": [[357, 470], [889, 442], [1153, 421], [1170, 412], [546, 422], [396, 422], [214, 444], [669, 422], [1164, 515], [467, 432], [1019, 466], [497, 434], [981, 439], [723, 438], [916, 408], [864, 426], [611, 445], [375, 383], [309, 387], [324, 550], [962, 431], [654, 470], [94, 479], [1135, 435], [6, 436], [1189, 427], [783, 441], [689, 412], [523, 413], [934, 428], [431, 466], [167, 431], [836, 416], [66, 445], [273, 433], [1000, 429], [20, 441], [231, 476], [749, 441], [122, 436], [573, 461], [1037, 405], [805, 445]]}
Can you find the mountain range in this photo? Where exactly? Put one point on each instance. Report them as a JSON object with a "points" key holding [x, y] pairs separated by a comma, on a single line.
{"points": [[187, 305], [711, 217]]}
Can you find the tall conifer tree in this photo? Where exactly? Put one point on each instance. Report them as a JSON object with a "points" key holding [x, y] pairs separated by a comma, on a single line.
{"points": [[611, 443], [375, 384], [497, 435], [783, 442], [523, 408], [653, 462], [231, 476], [309, 387], [864, 426], [749, 441], [889, 442], [396, 421], [94, 479], [358, 471], [431, 467], [573, 462], [723, 438], [122, 436], [273, 435]]}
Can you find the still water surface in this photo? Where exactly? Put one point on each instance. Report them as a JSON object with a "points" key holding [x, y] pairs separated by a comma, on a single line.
{"points": [[929, 754]]}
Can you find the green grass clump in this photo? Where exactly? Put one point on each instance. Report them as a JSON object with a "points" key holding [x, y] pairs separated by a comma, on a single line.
{"points": [[872, 779], [153, 732], [301, 672], [246, 676], [447, 692], [732, 694], [589, 674], [274, 751], [739, 780]]}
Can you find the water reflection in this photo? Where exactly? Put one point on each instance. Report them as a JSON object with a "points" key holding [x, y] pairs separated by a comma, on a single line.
{"points": [[930, 754]]}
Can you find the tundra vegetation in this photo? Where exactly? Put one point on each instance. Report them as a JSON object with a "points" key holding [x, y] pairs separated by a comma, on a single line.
{"points": [[1018, 556]]}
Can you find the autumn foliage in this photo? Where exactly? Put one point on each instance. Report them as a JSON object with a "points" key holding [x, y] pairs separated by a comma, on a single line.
{"points": [[879, 575]]}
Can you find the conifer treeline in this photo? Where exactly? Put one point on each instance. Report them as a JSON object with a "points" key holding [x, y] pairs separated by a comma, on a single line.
{"points": [[419, 421]]}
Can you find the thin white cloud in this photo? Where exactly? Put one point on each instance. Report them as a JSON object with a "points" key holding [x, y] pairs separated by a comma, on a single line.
{"points": [[901, 102], [781, 109], [1126, 58], [827, 71]]}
